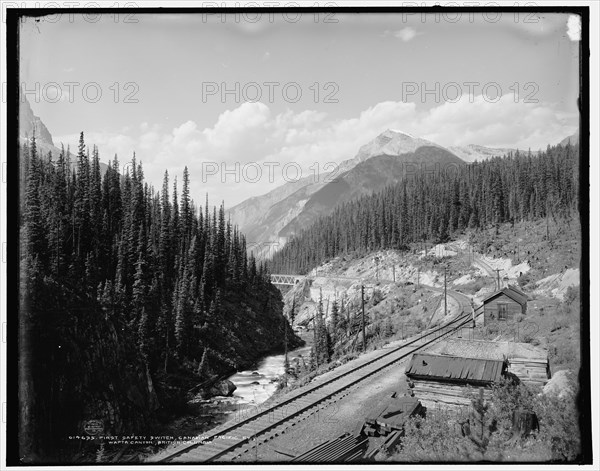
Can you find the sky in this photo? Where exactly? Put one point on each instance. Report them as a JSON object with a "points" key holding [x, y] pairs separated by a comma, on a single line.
{"points": [[248, 102]]}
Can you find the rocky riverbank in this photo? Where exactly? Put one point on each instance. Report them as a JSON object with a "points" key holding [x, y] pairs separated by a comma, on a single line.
{"points": [[213, 405]]}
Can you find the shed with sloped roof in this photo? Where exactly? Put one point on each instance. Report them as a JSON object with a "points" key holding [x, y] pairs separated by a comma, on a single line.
{"points": [[446, 381], [504, 305], [528, 362]]}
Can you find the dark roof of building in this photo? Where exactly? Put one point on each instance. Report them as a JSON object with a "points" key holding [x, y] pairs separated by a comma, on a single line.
{"points": [[448, 367], [517, 290], [510, 291]]}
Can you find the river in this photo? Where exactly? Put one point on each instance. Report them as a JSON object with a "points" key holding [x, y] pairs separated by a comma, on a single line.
{"points": [[256, 385], [253, 387]]}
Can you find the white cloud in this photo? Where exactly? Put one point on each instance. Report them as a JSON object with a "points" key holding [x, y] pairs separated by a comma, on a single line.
{"points": [[406, 34], [494, 123], [251, 133]]}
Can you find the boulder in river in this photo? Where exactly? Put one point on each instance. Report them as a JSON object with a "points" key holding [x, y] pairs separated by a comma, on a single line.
{"points": [[255, 373], [223, 388]]}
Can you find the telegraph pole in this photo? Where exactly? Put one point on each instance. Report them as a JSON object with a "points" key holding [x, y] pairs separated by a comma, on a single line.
{"points": [[445, 294], [418, 277], [362, 297], [394, 272], [497, 270], [286, 363], [315, 346]]}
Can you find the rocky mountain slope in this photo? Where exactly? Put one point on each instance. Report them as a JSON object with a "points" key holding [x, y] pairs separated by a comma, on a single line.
{"points": [[473, 152], [547, 270], [573, 139], [374, 173], [270, 219], [30, 125]]}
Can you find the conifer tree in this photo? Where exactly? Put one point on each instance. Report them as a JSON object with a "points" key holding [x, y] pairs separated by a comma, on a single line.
{"points": [[203, 365], [144, 334], [186, 213], [335, 321], [36, 245], [292, 315]]}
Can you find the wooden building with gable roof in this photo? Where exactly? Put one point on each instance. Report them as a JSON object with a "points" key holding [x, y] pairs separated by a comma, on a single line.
{"points": [[504, 305], [449, 381], [528, 362], [451, 372]]}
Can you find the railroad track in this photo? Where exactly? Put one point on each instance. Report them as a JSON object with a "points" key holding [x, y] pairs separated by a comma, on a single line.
{"points": [[237, 436]]}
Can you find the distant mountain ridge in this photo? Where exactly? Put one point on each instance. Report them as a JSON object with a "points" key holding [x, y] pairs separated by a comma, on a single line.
{"points": [[269, 220], [368, 176], [572, 139], [272, 218], [473, 152], [30, 125]]}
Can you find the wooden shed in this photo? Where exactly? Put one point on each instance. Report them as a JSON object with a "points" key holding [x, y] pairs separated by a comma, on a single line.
{"points": [[446, 381], [504, 305], [529, 363]]}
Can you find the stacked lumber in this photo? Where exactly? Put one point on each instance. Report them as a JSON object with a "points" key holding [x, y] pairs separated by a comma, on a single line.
{"points": [[435, 394], [392, 440], [346, 447], [531, 371], [390, 443]]}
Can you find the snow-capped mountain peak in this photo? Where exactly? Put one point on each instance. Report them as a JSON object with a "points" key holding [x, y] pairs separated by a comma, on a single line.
{"points": [[398, 131], [392, 142]]}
